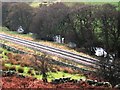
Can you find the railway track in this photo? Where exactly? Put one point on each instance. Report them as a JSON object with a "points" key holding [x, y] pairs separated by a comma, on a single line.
{"points": [[92, 63]]}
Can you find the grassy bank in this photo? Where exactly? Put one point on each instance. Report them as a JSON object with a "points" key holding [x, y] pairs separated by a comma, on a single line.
{"points": [[4, 30]]}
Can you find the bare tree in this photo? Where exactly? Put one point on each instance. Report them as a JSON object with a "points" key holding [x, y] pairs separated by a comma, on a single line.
{"points": [[41, 64]]}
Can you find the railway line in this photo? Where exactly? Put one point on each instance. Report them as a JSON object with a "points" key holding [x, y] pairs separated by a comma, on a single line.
{"points": [[92, 63]]}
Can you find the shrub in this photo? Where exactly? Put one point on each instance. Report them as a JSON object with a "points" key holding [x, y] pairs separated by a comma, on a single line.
{"points": [[13, 68], [20, 70], [53, 70], [2, 63], [58, 68], [69, 70], [5, 68], [10, 55], [31, 72], [37, 73], [65, 71], [13, 61], [22, 64], [17, 57], [26, 60]]}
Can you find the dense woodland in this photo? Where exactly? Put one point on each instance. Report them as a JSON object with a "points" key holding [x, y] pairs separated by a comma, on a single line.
{"points": [[86, 25]]}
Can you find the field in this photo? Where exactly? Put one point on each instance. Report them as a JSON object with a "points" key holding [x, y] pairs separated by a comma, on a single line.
{"points": [[73, 2], [18, 73], [9, 62]]}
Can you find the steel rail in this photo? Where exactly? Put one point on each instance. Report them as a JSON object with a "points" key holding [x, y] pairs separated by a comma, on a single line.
{"points": [[55, 49], [39, 47]]}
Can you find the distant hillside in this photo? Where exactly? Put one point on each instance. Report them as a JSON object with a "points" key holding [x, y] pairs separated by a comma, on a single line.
{"points": [[71, 3]]}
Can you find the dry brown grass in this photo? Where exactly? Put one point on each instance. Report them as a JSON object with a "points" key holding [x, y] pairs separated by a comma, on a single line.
{"points": [[64, 69], [15, 34], [21, 59], [10, 56], [64, 47]]}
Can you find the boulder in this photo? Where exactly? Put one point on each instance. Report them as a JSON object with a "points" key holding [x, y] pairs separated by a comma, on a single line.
{"points": [[117, 86], [20, 30], [72, 45]]}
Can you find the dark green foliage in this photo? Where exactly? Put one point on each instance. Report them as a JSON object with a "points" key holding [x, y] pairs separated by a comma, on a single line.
{"points": [[20, 70], [16, 14], [5, 9], [108, 17], [80, 21], [47, 19], [108, 32], [86, 25]]}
